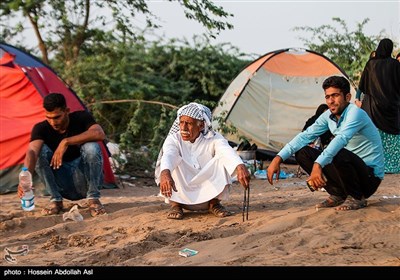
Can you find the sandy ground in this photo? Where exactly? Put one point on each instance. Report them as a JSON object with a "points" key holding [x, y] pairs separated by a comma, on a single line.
{"points": [[283, 229]]}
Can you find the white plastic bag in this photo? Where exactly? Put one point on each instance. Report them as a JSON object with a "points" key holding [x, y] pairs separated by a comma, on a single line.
{"points": [[73, 214]]}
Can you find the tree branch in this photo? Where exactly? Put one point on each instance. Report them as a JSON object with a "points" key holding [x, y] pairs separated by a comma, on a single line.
{"points": [[34, 21], [133, 100]]}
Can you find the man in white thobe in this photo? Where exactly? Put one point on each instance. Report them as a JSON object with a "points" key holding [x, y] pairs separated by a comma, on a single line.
{"points": [[196, 165]]}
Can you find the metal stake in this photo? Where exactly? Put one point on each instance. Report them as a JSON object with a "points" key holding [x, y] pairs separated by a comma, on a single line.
{"points": [[246, 202]]}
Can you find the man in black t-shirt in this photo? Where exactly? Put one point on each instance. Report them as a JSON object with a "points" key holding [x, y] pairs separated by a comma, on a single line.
{"points": [[63, 150]]}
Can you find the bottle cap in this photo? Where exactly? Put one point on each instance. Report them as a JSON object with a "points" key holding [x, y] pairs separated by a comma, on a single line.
{"points": [[24, 168]]}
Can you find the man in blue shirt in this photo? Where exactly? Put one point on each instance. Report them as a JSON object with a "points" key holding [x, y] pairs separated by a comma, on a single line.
{"points": [[351, 167]]}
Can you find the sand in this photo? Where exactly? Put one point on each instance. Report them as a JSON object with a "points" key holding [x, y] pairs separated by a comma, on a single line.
{"points": [[283, 229]]}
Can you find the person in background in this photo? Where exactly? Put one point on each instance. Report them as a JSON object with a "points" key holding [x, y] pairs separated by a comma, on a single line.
{"points": [[351, 167], [195, 165], [325, 138], [372, 54], [358, 98], [380, 85], [65, 154]]}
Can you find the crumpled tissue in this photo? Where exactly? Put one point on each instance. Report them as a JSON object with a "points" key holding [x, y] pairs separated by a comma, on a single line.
{"points": [[73, 214]]}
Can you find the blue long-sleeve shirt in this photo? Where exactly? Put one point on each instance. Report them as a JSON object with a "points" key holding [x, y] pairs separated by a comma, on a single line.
{"points": [[354, 131]]}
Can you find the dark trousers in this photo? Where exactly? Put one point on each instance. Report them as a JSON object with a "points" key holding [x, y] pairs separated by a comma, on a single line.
{"points": [[346, 175]]}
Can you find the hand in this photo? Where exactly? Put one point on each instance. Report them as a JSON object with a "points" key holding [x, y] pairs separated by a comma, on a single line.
{"points": [[56, 160], [317, 178], [167, 184], [243, 175], [358, 103], [274, 168]]}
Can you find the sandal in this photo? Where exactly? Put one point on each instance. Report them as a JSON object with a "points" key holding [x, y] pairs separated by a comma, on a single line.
{"points": [[219, 211], [54, 208], [331, 201], [175, 213], [96, 208], [352, 204]]}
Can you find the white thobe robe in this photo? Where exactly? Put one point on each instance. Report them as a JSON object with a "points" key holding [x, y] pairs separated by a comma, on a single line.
{"points": [[201, 170]]}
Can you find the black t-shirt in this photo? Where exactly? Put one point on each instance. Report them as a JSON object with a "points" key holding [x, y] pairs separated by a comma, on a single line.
{"points": [[79, 122]]}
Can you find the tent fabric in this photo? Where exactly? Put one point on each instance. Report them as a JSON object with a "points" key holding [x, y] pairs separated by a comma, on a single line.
{"points": [[272, 98], [24, 82]]}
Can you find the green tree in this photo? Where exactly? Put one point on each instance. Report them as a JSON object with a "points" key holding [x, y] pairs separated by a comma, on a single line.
{"points": [[67, 26], [348, 49], [159, 76]]}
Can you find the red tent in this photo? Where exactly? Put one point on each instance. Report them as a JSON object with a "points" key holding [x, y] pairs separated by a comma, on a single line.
{"points": [[24, 82]]}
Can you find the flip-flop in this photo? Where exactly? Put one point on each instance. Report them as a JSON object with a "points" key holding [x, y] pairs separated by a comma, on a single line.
{"points": [[54, 208], [96, 208], [175, 213], [352, 204], [219, 211], [331, 201]]}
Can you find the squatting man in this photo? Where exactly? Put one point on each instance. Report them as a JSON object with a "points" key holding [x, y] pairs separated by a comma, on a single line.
{"points": [[196, 164], [352, 162]]}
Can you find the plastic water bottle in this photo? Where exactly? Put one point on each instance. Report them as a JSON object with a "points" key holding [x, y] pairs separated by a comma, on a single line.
{"points": [[25, 181]]}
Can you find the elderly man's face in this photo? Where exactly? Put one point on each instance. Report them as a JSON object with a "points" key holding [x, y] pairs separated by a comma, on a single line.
{"points": [[190, 128]]}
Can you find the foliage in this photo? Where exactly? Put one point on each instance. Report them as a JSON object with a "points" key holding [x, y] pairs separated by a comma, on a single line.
{"points": [[223, 127], [348, 49], [100, 52], [173, 72], [67, 26]]}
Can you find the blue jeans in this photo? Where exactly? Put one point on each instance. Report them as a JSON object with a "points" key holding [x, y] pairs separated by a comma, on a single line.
{"points": [[74, 180]]}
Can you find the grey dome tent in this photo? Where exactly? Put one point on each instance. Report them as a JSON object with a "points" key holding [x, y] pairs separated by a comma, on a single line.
{"points": [[271, 99]]}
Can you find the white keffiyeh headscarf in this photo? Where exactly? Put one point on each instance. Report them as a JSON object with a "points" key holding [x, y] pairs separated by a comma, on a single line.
{"points": [[196, 111]]}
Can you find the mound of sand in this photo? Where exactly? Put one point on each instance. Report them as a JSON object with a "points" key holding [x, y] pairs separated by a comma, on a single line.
{"points": [[283, 229]]}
